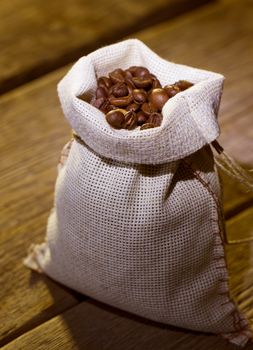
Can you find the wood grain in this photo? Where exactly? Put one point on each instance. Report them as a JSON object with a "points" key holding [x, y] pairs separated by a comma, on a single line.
{"points": [[240, 261], [106, 328], [39, 36], [219, 42], [223, 44], [240, 227], [30, 143], [94, 325], [33, 131]]}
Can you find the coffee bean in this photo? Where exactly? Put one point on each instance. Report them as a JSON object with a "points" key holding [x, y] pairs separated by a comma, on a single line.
{"points": [[138, 71], [98, 102], [115, 118], [155, 118], [101, 92], [142, 83], [172, 90], [141, 118], [130, 84], [121, 101], [105, 107], [120, 90], [139, 95], [183, 84], [147, 126], [158, 97], [156, 84], [148, 108], [128, 74], [133, 107], [130, 120], [139, 92], [117, 76], [104, 82], [141, 72], [132, 69]]}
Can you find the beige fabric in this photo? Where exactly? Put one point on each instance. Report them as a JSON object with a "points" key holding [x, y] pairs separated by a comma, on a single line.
{"points": [[137, 221]]}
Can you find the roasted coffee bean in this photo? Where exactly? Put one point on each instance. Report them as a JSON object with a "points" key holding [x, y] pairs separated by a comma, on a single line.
{"points": [[133, 107], [139, 95], [139, 92], [106, 107], [132, 69], [130, 120], [130, 84], [121, 101], [120, 90], [117, 76], [127, 74], [158, 97], [116, 118], [141, 72], [98, 102], [156, 84], [155, 118], [138, 71], [172, 90], [141, 118], [148, 108], [101, 92], [147, 126], [183, 84], [104, 82], [142, 83]]}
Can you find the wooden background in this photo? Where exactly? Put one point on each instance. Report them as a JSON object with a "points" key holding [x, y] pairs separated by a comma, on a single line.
{"points": [[39, 41]]}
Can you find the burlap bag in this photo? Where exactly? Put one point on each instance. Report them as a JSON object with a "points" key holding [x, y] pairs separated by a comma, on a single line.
{"points": [[137, 221]]}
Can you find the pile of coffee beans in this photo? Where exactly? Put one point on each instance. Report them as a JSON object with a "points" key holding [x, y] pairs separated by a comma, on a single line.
{"points": [[134, 97]]}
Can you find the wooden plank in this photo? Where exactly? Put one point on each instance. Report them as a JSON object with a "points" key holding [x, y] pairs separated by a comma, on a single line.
{"points": [[240, 227], [236, 198], [239, 259], [33, 131], [37, 37], [31, 139], [216, 40], [28, 177], [93, 325]]}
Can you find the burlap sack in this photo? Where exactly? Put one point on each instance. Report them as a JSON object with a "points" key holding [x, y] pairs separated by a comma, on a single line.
{"points": [[137, 221]]}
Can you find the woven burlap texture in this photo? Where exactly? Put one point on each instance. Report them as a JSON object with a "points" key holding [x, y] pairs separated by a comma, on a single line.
{"points": [[137, 220]]}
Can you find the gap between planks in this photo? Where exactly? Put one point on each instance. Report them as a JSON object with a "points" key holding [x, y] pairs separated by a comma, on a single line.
{"points": [[45, 36], [199, 56]]}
